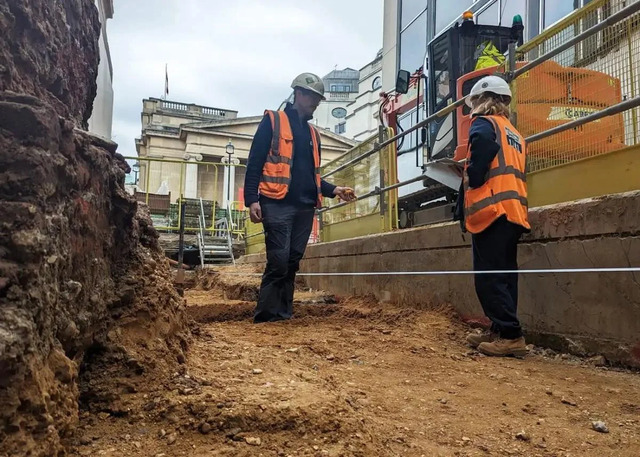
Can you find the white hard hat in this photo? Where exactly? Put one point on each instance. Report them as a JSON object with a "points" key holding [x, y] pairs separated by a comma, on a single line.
{"points": [[309, 81], [494, 84]]}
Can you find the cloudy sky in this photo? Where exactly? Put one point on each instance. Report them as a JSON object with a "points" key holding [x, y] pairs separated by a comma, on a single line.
{"points": [[234, 54]]}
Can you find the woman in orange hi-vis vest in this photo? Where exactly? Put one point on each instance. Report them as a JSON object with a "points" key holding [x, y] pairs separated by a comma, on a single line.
{"points": [[282, 190], [495, 212]]}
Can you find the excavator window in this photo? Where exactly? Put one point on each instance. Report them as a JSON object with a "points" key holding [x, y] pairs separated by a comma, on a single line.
{"points": [[441, 85]]}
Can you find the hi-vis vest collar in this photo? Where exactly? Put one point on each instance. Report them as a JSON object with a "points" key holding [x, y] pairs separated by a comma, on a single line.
{"points": [[505, 189], [276, 173]]}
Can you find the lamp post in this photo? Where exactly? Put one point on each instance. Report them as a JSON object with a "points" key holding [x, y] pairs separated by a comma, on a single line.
{"points": [[229, 149], [136, 169]]}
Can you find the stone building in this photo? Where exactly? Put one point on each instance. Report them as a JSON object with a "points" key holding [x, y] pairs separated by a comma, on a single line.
{"points": [[201, 135]]}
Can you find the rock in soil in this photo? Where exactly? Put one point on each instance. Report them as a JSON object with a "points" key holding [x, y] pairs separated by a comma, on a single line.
{"points": [[600, 426]]}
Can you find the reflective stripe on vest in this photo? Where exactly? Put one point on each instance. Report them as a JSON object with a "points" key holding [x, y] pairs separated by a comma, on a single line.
{"points": [[505, 191], [276, 172]]}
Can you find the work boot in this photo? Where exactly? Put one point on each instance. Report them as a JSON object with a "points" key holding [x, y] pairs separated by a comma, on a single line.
{"points": [[474, 339], [502, 347]]}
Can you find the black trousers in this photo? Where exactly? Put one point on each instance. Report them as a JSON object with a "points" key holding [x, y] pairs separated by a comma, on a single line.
{"points": [[496, 249], [287, 228]]}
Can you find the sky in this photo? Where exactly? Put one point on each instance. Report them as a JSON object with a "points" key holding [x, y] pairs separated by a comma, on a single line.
{"points": [[233, 54]]}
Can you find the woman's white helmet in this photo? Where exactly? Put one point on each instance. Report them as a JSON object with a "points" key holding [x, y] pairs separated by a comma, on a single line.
{"points": [[494, 84]]}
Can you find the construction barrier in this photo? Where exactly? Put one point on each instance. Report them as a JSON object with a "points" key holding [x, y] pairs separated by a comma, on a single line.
{"points": [[163, 184], [376, 213], [593, 74]]}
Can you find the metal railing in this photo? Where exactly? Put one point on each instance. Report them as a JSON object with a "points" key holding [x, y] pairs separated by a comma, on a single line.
{"points": [[176, 181], [366, 168], [576, 96]]}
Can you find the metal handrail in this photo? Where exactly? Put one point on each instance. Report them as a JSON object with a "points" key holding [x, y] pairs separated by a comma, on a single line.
{"points": [[378, 147], [373, 193]]}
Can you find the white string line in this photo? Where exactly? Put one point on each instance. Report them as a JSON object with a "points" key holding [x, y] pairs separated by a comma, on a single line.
{"points": [[463, 272]]}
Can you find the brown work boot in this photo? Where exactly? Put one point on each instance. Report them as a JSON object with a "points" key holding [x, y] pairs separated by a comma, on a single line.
{"points": [[474, 339], [503, 348]]}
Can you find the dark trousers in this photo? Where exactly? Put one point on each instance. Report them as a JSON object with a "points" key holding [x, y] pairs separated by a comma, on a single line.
{"points": [[287, 228], [496, 249]]}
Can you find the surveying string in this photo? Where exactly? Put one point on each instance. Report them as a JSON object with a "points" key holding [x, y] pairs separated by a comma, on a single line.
{"points": [[466, 272]]}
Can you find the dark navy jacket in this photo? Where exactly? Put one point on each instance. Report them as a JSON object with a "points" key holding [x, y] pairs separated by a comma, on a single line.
{"points": [[302, 189]]}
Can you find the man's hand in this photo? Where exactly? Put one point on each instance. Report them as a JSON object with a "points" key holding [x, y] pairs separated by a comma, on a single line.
{"points": [[345, 193], [255, 213]]}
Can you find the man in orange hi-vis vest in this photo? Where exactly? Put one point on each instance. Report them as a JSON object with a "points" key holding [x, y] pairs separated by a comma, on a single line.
{"points": [[495, 212], [283, 188]]}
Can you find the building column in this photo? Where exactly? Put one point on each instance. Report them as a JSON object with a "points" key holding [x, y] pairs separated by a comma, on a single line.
{"points": [[228, 189], [191, 176]]}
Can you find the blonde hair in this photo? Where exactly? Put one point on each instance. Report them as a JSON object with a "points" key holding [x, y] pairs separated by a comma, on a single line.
{"points": [[490, 104]]}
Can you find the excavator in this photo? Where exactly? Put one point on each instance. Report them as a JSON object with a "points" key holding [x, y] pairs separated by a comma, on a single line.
{"points": [[455, 60]]}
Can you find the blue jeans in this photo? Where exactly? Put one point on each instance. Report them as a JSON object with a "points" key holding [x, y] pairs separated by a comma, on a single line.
{"points": [[287, 228]]}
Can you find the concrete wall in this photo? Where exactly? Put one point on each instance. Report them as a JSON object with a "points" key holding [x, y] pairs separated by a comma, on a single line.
{"points": [[581, 313]]}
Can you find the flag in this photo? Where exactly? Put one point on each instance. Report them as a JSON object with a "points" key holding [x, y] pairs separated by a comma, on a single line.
{"points": [[166, 81]]}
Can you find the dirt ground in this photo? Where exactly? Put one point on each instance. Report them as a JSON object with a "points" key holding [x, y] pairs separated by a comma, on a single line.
{"points": [[352, 377]]}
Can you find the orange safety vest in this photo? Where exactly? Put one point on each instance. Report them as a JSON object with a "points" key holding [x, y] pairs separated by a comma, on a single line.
{"points": [[505, 190], [276, 173]]}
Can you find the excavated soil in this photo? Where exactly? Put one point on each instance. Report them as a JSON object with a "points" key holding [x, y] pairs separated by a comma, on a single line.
{"points": [[352, 377]]}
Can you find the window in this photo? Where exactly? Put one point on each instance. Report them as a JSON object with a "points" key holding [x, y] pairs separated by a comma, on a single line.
{"points": [[340, 128], [448, 10], [509, 8], [441, 83], [554, 10], [551, 12], [339, 112], [413, 44], [409, 9], [377, 83], [340, 88], [490, 15]]}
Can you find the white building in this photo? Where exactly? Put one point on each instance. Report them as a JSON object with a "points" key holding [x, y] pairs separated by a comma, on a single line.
{"points": [[340, 89], [101, 118], [362, 114]]}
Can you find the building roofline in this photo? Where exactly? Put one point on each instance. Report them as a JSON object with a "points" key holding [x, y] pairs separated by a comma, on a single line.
{"points": [[155, 99], [222, 122]]}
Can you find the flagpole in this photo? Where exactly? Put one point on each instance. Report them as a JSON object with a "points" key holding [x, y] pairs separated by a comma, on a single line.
{"points": [[166, 82]]}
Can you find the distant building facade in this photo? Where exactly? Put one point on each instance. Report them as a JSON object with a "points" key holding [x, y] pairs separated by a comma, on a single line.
{"points": [[200, 135], [362, 117], [101, 119]]}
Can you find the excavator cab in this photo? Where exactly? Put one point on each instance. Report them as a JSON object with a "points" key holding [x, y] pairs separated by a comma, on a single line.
{"points": [[464, 48]]}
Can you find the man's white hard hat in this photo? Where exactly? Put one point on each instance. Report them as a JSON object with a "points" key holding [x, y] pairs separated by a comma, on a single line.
{"points": [[309, 81]]}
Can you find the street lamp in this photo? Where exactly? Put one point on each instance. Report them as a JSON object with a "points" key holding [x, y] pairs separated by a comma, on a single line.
{"points": [[229, 149], [136, 170]]}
